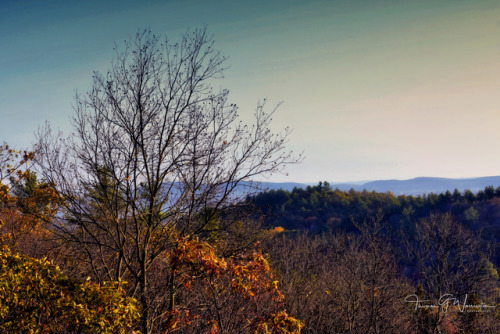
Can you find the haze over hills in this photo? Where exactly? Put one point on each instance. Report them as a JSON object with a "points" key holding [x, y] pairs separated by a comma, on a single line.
{"points": [[416, 186]]}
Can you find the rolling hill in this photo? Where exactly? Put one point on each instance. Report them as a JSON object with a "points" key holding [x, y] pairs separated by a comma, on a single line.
{"points": [[416, 186]]}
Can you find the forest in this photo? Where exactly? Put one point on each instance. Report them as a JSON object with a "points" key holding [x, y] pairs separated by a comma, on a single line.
{"points": [[133, 223], [320, 208]]}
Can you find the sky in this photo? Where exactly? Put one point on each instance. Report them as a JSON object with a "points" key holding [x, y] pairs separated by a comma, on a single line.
{"points": [[373, 90]]}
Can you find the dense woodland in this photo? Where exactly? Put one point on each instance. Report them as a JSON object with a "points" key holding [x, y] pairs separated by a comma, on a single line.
{"points": [[320, 208], [348, 259], [134, 223]]}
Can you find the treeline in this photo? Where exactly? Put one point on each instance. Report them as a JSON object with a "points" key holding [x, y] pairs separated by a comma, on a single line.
{"points": [[321, 208]]}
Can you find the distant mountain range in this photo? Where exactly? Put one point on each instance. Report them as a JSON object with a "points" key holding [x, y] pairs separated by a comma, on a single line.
{"points": [[416, 186]]}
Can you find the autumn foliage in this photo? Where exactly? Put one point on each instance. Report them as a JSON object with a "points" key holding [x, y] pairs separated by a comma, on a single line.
{"points": [[237, 293], [35, 297], [26, 205]]}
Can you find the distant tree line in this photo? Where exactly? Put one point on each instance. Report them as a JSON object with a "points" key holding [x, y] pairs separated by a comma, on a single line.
{"points": [[320, 208]]}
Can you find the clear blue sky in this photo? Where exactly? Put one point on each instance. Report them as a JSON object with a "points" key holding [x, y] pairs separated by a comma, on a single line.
{"points": [[373, 89]]}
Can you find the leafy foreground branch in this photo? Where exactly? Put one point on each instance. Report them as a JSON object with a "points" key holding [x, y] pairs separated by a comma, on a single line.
{"points": [[234, 295], [35, 297]]}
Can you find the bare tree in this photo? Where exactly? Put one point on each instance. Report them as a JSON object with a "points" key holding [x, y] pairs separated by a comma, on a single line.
{"points": [[156, 154], [343, 283], [450, 265]]}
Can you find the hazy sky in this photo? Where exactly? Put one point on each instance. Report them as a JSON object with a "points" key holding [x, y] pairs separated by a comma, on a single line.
{"points": [[373, 89]]}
